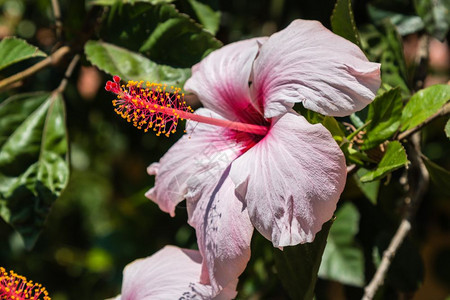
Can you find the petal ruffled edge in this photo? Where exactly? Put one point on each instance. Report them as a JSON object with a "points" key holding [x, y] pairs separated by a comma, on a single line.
{"points": [[291, 180], [221, 81], [307, 63]]}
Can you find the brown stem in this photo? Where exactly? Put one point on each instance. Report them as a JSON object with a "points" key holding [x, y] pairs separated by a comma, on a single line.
{"points": [[418, 179], [52, 59], [67, 74], [388, 255], [352, 169], [90, 25], [58, 22]]}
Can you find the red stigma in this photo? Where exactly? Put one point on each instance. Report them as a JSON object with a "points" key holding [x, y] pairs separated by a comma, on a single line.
{"points": [[154, 106], [14, 286]]}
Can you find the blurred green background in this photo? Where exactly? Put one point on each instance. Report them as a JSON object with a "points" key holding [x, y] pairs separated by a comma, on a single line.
{"points": [[102, 221]]}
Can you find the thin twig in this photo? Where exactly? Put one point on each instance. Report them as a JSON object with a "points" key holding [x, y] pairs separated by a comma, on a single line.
{"points": [[351, 169], [442, 112], [52, 59], [418, 185], [67, 74], [58, 22], [388, 255]]}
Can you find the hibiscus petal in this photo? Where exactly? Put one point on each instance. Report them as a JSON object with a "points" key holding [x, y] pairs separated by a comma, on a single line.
{"points": [[221, 81], [291, 180], [307, 63], [171, 273], [202, 149], [223, 228]]}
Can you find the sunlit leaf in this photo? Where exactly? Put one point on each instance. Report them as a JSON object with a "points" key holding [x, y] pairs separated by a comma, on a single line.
{"points": [[384, 113], [343, 259], [132, 66], [393, 159], [369, 189], [298, 266], [439, 176], [424, 104], [343, 22], [435, 15], [161, 33], [13, 50], [209, 18], [33, 160]]}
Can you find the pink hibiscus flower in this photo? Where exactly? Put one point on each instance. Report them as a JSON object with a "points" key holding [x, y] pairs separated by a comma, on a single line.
{"points": [[170, 273], [266, 167]]}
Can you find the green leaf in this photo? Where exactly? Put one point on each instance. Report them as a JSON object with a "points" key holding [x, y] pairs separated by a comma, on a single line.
{"points": [[424, 104], [353, 155], [439, 176], [369, 189], [447, 128], [115, 2], [161, 32], [343, 258], [435, 15], [343, 22], [311, 116], [209, 18], [13, 50], [405, 24], [33, 160], [394, 158], [383, 44], [384, 113], [132, 66], [334, 127], [297, 266]]}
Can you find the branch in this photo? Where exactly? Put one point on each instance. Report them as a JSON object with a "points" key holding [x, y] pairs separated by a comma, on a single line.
{"points": [[52, 59], [67, 74], [445, 110], [388, 255], [352, 169], [58, 22], [90, 25], [418, 179]]}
